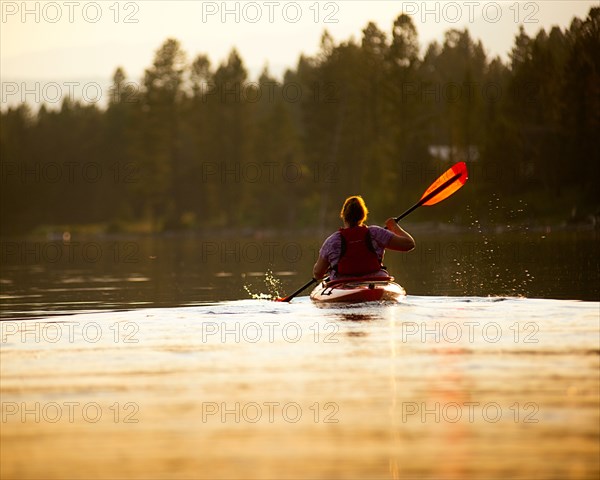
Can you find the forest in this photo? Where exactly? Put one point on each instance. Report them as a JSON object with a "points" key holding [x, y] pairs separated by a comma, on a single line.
{"points": [[196, 146]]}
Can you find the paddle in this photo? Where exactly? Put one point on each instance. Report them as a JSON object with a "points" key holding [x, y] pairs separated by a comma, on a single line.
{"points": [[292, 295], [442, 188]]}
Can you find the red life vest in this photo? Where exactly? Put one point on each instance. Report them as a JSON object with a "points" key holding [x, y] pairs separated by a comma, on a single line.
{"points": [[358, 256]]}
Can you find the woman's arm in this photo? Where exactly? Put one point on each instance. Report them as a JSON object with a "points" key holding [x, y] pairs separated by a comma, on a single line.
{"points": [[321, 268], [402, 241]]}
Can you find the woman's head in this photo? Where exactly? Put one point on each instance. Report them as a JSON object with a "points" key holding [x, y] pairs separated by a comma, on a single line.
{"points": [[354, 212]]}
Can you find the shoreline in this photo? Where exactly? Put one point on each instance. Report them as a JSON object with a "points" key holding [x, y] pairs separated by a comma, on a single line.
{"points": [[100, 232]]}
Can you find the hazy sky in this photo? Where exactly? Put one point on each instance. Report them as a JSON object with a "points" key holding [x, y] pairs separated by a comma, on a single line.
{"points": [[73, 40]]}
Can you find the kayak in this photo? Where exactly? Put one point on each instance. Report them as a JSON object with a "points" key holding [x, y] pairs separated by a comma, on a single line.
{"points": [[357, 289]]}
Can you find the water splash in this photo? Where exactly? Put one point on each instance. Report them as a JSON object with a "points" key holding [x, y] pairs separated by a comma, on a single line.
{"points": [[272, 284], [485, 275]]}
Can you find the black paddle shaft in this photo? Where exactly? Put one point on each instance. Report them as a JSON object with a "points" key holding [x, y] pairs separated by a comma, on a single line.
{"points": [[425, 199], [300, 290]]}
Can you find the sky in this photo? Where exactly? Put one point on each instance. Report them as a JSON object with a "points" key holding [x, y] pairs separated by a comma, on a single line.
{"points": [[78, 41]]}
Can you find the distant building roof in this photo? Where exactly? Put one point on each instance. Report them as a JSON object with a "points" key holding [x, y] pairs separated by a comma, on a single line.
{"points": [[455, 154]]}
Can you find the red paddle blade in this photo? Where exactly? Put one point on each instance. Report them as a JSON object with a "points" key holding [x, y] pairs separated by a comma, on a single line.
{"points": [[459, 172]]}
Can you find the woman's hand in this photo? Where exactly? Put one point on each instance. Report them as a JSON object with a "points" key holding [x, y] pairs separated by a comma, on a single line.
{"points": [[392, 226], [402, 240]]}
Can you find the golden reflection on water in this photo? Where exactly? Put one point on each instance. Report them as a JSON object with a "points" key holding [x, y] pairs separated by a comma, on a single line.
{"points": [[451, 439], [394, 468], [365, 379]]}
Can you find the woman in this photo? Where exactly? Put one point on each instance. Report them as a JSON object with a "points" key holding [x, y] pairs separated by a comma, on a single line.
{"points": [[356, 249]]}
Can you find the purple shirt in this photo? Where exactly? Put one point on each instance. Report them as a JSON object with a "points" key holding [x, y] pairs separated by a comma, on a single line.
{"points": [[332, 246]]}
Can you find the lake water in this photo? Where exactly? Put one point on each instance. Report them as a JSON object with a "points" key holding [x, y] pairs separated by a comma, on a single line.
{"points": [[40, 278], [489, 368]]}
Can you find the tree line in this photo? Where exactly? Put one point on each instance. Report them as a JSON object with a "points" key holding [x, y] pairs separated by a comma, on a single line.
{"points": [[200, 146]]}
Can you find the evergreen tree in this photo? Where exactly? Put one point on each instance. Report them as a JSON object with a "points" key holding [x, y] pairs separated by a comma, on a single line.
{"points": [[157, 144], [197, 146]]}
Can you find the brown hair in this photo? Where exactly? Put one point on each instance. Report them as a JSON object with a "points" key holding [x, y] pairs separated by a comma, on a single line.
{"points": [[354, 212]]}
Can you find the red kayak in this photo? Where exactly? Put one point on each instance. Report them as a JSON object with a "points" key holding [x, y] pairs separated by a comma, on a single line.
{"points": [[357, 290]]}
